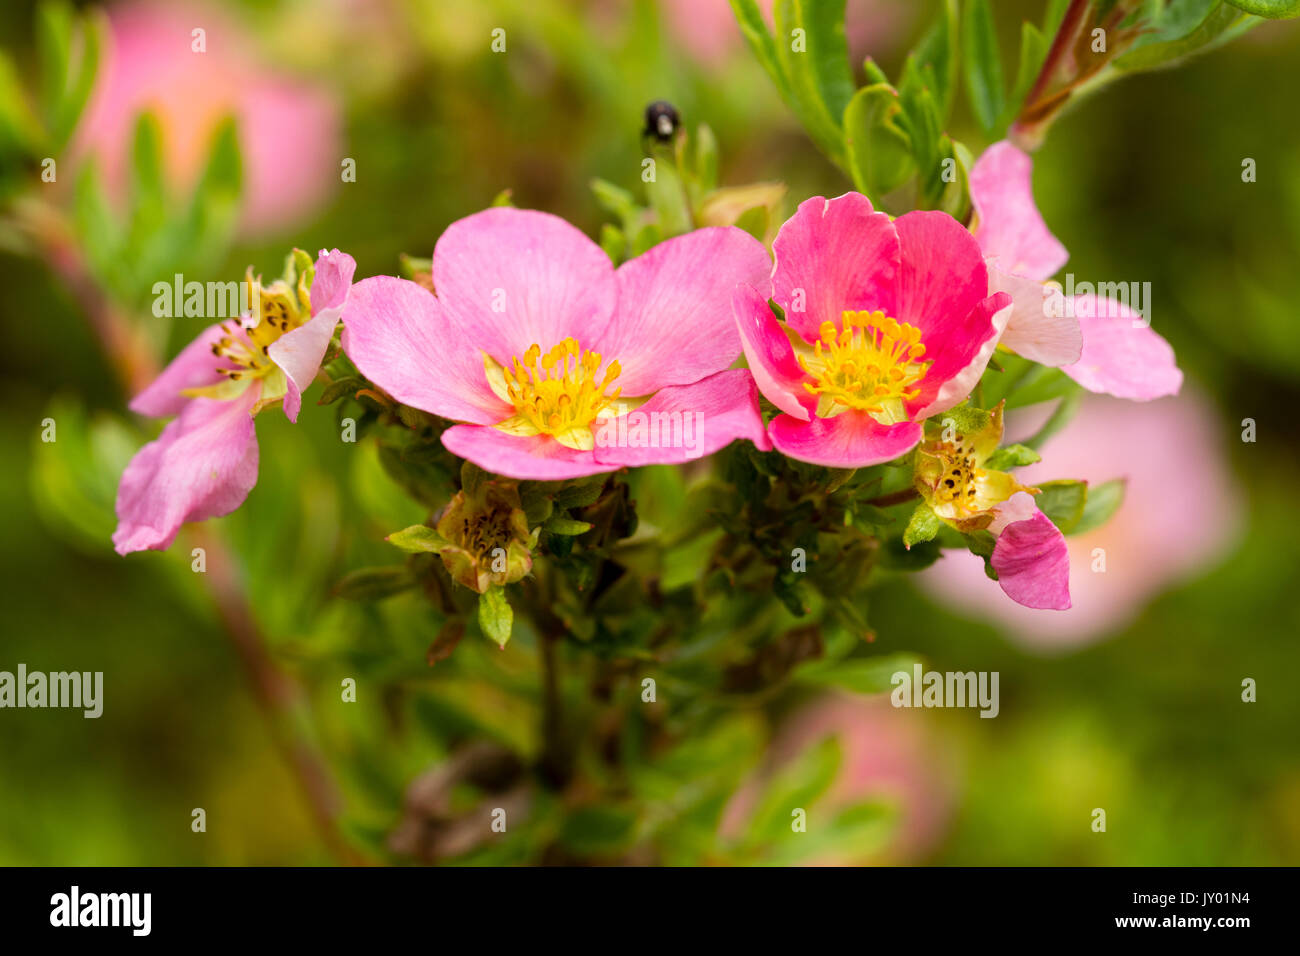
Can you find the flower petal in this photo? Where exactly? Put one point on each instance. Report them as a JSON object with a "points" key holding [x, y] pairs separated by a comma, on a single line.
{"points": [[832, 255], [528, 458], [685, 422], [1030, 556], [673, 323], [939, 394], [1041, 328], [400, 337], [1122, 355], [300, 351], [202, 465], [517, 277], [1009, 226], [770, 354], [941, 280], [851, 440], [194, 367]]}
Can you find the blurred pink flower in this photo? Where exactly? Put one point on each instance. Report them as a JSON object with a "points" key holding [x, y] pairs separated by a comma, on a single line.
{"points": [[1178, 515], [887, 755], [289, 131], [707, 29]]}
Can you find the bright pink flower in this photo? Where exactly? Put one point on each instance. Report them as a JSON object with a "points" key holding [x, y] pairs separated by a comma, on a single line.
{"points": [[205, 461], [289, 130], [1099, 343], [559, 365], [1177, 516], [886, 323]]}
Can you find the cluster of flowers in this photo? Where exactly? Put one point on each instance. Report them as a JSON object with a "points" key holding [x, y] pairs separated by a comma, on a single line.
{"points": [[858, 329]]}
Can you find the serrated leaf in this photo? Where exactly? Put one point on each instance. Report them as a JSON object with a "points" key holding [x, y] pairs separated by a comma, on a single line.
{"points": [[1272, 9]]}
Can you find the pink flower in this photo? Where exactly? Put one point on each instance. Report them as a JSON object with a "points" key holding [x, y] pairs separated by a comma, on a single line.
{"points": [[559, 365], [1031, 556], [888, 755], [886, 323], [205, 461], [289, 131], [1177, 515], [1100, 343]]}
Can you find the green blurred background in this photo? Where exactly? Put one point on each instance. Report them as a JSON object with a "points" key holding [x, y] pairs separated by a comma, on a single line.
{"points": [[1142, 180]]}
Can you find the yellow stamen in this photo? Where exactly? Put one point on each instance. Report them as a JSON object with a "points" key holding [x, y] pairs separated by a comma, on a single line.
{"points": [[561, 398], [873, 363]]}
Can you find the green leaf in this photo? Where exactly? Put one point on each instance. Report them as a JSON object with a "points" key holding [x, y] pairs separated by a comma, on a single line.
{"points": [[879, 151], [567, 527], [80, 82], [1220, 24], [938, 51], [580, 493], [706, 159], [861, 675], [1033, 51], [814, 55], [54, 23], [1273, 9], [1012, 456], [599, 830], [1103, 501], [495, 615], [1062, 502], [983, 65], [417, 538], [761, 42], [923, 526], [344, 387], [373, 584], [1060, 417], [797, 786]]}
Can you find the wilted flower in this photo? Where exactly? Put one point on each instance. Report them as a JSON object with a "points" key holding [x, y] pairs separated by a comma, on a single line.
{"points": [[958, 484], [555, 360], [205, 461], [886, 323]]}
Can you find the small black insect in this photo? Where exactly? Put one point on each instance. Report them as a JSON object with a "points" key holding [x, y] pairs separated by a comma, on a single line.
{"points": [[661, 121]]}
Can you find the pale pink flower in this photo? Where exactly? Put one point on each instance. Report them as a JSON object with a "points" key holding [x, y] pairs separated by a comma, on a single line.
{"points": [[289, 130], [1102, 344], [1178, 516], [204, 463], [553, 359], [886, 323]]}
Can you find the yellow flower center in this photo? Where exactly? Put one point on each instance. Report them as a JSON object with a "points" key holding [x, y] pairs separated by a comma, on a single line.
{"points": [[558, 393], [872, 364]]}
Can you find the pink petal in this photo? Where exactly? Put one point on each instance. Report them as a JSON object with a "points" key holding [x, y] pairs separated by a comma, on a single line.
{"points": [[194, 367], [1030, 556], [401, 338], [770, 354], [851, 440], [513, 278], [690, 421], [833, 255], [939, 396], [1009, 226], [202, 465], [673, 324], [300, 351], [532, 458], [1122, 356], [1039, 328], [941, 281]]}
